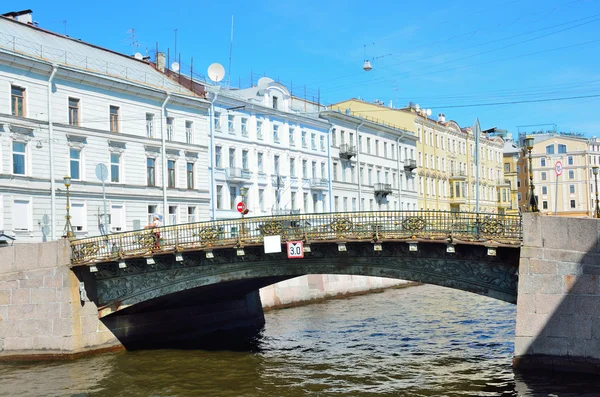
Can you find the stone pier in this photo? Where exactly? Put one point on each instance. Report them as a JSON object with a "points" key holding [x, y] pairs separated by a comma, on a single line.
{"points": [[558, 307]]}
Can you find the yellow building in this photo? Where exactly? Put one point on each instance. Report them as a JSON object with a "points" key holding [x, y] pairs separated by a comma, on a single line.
{"points": [[446, 172], [511, 153], [571, 193]]}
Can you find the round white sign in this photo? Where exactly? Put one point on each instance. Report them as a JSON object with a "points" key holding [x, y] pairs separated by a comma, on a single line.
{"points": [[101, 172], [558, 168]]}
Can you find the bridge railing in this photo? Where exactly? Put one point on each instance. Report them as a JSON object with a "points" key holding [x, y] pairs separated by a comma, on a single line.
{"points": [[376, 226]]}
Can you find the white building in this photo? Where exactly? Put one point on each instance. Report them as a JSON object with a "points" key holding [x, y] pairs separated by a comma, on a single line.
{"points": [[269, 147], [67, 106], [370, 171]]}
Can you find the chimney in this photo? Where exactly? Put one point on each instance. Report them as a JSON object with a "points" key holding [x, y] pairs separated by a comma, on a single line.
{"points": [[24, 16], [161, 60], [441, 118], [391, 104]]}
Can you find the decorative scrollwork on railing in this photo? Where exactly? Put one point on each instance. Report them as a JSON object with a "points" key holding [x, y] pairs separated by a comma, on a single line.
{"points": [[86, 250], [414, 223], [494, 228], [341, 225], [208, 234], [272, 228], [149, 240]]}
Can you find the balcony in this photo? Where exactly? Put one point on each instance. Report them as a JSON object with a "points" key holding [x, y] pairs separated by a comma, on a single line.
{"points": [[238, 174], [458, 175], [347, 151], [319, 184], [285, 212], [382, 189], [410, 164], [278, 181]]}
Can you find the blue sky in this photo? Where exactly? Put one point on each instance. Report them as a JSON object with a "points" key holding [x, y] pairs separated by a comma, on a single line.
{"points": [[445, 55]]}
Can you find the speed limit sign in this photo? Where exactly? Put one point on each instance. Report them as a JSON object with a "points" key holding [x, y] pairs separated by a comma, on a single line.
{"points": [[295, 249]]}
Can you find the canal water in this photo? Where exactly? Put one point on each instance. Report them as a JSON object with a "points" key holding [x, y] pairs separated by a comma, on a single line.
{"points": [[417, 341]]}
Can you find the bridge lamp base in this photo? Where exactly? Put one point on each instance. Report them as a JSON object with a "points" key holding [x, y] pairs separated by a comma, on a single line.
{"points": [[377, 247], [122, 265], [179, 257], [210, 255], [491, 251], [240, 252], [413, 247], [307, 248], [342, 247], [93, 269], [450, 248], [150, 261]]}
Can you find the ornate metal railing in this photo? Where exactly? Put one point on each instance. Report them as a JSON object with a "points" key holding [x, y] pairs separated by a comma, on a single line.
{"points": [[378, 226]]}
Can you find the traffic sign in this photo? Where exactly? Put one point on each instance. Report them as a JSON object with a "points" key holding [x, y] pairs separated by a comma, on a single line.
{"points": [[295, 249], [558, 168], [241, 207]]}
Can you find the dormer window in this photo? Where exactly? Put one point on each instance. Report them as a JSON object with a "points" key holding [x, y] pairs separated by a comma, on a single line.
{"points": [[275, 100]]}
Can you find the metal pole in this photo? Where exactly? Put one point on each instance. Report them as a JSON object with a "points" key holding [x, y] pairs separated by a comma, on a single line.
{"points": [[556, 196], [532, 199], [597, 206], [477, 132], [105, 213]]}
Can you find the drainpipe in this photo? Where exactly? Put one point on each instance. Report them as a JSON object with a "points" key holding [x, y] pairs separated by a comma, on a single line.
{"points": [[212, 157], [358, 164], [330, 189], [51, 154], [164, 154], [398, 165]]}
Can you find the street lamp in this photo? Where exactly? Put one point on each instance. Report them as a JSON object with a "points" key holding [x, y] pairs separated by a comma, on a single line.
{"points": [[533, 206], [595, 171], [68, 232]]}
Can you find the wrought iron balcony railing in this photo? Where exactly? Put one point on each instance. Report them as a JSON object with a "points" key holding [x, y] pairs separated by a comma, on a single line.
{"points": [[347, 151], [238, 173], [410, 164], [407, 226], [319, 183], [382, 189]]}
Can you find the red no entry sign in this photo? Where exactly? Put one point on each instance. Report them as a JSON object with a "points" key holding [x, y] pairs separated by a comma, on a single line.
{"points": [[558, 168], [241, 207]]}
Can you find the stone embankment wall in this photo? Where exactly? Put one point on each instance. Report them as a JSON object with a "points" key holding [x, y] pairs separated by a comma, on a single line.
{"points": [[558, 307], [41, 314], [316, 287]]}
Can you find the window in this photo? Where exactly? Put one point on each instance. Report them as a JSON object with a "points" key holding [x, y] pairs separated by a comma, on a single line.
{"points": [[244, 126], [217, 120], [151, 171], [170, 122], [384, 149], [115, 167], [570, 160], [368, 145], [292, 167], [345, 204], [543, 162], [219, 196], [335, 171], [322, 143], [544, 189], [114, 119], [218, 151], [231, 158], [573, 204], [313, 141], [230, 125], [550, 149], [571, 174], [323, 171], [232, 196], [261, 199], [314, 169], [306, 205], [544, 205], [190, 175], [562, 149], [73, 111], [334, 137], [17, 101], [291, 136], [245, 159], [149, 125], [21, 215], [275, 102], [572, 189], [191, 214], [259, 161], [336, 203], [275, 133], [293, 200], [276, 165], [117, 218], [189, 131], [171, 173], [173, 215], [519, 196], [315, 198], [304, 169], [543, 176], [259, 131], [75, 159], [78, 216], [376, 147], [19, 167], [304, 141]]}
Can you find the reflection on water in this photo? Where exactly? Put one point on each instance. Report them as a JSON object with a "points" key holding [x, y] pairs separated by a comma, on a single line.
{"points": [[420, 341]]}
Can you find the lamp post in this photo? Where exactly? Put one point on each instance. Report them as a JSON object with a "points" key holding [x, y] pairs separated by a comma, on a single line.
{"points": [[533, 206], [68, 232], [595, 171]]}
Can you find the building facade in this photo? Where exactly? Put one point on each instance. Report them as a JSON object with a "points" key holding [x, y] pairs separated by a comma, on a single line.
{"points": [[68, 108]]}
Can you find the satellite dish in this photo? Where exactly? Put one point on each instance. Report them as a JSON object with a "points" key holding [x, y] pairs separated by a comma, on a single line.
{"points": [[264, 81], [216, 72], [175, 67], [139, 56], [429, 112]]}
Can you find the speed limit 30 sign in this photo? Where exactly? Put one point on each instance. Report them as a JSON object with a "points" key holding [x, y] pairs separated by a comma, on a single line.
{"points": [[295, 249]]}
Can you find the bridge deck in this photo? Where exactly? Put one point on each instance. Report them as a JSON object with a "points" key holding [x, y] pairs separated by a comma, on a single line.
{"points": [[378, 226]]}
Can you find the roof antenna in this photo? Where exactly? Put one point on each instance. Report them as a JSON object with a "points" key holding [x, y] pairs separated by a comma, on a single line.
{"points": [[230, 51]]}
